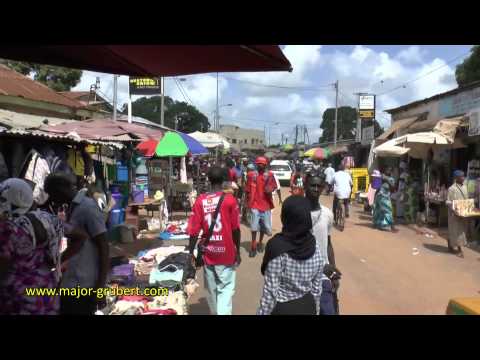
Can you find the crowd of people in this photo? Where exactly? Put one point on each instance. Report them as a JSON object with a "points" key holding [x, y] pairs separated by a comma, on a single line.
{"points": [[30, 246]]}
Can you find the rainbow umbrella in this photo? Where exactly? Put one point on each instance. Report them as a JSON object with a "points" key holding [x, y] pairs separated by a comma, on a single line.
{"points": [[318, 153], [172, 144], [309, 153]]}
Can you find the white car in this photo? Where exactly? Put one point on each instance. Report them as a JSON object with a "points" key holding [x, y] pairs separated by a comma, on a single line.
{"points": [[282, 170]]}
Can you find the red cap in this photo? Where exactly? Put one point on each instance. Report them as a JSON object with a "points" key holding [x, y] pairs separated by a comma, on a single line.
{"points": [[261, 160]]}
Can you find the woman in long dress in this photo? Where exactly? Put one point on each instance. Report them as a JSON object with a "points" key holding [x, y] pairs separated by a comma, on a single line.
{"points": [[382, 208]]}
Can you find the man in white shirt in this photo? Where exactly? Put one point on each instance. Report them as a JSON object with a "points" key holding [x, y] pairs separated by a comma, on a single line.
{"points": [[342, 189], [329, 173]]}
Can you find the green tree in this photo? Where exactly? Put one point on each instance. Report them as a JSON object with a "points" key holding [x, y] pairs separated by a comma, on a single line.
{"points": [[346, 124], [469, 70], [55, 77], [189, 118]]}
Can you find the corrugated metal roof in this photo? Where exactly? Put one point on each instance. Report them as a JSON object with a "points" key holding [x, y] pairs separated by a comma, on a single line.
{"points": [[13, 83], [397, 125], [48, 135], [13, 119], [74, 94]]}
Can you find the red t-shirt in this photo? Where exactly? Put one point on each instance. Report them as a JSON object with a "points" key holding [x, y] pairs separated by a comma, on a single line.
{"points": [[221, 249], [232, 175], [258, 199]]}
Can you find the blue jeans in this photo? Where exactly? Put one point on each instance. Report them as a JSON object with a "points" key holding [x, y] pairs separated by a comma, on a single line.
{"points": [[220, 286], [327, 301], [265, 217]]}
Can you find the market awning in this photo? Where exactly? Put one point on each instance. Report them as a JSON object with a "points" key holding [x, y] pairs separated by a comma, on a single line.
{"points": [[154, 60], [210, 139], [389, 149], [397, 126]]}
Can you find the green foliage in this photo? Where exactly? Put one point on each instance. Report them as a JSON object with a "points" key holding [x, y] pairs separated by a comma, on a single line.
{"points": [[469, 70], [346, 125], [55, 77], [190, 119]]}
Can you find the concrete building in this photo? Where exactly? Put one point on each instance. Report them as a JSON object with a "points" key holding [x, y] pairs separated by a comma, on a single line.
{"points": [[424, 114], [243, 139]]}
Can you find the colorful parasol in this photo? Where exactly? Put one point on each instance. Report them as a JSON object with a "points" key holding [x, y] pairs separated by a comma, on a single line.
{"points": [[318, 153], [172, 144]]}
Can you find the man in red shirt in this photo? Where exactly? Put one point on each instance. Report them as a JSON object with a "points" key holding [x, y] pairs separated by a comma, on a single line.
{"points": [[260, 186], [222, 253]]}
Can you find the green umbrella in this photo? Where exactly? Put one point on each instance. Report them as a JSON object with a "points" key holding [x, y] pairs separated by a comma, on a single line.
{"points": [[171, 144]]}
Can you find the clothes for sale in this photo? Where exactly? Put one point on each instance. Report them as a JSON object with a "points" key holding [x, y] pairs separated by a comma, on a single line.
{"points": [[157, 276], [124, 307], [76, 161], [181, 261], [123, 274], [257, 182], [143, 267], [160, 253], [221, 249], [175, 301]]}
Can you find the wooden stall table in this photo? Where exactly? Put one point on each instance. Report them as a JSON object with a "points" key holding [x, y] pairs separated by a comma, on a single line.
{"points": [[148, 202]]}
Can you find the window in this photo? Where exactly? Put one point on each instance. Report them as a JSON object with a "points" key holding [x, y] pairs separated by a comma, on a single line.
{"points": [[253, 141], [261, 141], [234, 141]]}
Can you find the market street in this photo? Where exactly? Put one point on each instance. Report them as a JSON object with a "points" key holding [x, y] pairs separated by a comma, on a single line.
{"points": [[381, 274]]}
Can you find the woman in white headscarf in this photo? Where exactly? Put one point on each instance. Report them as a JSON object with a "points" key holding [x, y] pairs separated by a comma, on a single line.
{"points": [[29, 251]]}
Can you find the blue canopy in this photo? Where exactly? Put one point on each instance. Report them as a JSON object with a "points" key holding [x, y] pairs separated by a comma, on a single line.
{"points": [[193, 145]]}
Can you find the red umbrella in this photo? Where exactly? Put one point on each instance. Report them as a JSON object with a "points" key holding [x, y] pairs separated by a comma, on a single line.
{"points": [[147, 148], [154, 60]]}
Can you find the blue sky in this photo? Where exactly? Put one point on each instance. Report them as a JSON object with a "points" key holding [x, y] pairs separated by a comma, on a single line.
{"points": [[425, 70]]}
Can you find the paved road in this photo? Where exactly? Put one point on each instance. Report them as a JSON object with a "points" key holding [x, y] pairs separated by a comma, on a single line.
{"points": [[381, 274]]}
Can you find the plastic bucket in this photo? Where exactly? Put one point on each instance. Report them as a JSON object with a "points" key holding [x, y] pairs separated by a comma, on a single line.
{"points": [[118, 200], [117, 217]]}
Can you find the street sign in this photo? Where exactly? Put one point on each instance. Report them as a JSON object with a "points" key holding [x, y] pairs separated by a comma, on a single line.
{"points": [[367, 114], [144, 86], [368, 134], [366, 102], [474, 123]]}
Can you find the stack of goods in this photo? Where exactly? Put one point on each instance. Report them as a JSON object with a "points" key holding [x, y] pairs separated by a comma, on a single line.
{"points": [[175, 230], [173, 272], [171, 304], [464, 207]]}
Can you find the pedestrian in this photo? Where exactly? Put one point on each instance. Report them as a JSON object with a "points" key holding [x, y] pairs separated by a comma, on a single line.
{"points": [[457, 226], [260, 187], [296, 182], [322, 222], [217, 214], [30, 243], [293, 265], [382, 207], [90, 266], [410, 200], [279, 189], [342, 190], [329, 174]]}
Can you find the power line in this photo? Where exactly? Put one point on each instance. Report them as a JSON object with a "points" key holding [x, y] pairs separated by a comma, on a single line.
{"points": [[303, 88], [422, 76], [184, 91]]}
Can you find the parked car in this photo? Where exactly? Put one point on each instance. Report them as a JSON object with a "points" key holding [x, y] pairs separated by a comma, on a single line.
{"points": [[282, 170]]}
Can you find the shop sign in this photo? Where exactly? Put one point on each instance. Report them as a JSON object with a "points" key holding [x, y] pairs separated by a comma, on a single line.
{"points": [[474, 123], [144, 86], [367, 114], [368, 134], [366, 102]]}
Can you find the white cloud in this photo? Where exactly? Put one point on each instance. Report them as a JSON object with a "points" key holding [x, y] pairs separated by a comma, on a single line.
{"points": [[412, 54]]}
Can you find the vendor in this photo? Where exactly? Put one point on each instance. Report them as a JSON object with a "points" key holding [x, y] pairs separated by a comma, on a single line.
{"points": [[457, 226]]}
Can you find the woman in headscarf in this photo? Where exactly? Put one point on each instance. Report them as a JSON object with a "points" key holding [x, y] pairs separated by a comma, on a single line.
{"points": [[292, 265], [410, 199], [29, 252], [382, 207]]}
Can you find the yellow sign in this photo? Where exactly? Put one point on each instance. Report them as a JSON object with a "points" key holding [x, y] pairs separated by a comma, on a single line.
{"points": [[370, 114]]}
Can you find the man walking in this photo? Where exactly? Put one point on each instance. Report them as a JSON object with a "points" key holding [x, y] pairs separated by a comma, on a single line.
{"points": [[260, 186], [342, 189], [457, 226], [322, 220], [329, 174], [217, 215]]}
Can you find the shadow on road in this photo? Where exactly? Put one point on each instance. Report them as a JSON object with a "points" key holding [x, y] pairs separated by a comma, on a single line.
{"points": [[200, 308], [367, 225], [437, 248], [365, 217]]}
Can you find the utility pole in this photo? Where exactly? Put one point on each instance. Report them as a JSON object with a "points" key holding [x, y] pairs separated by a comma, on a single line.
{"points": [[162, 103], [336, 115], [115, 89], [296, 136]]}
